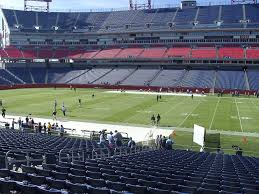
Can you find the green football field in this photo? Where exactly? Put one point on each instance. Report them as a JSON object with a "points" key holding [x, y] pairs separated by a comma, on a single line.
{"points": [[225, 114]]}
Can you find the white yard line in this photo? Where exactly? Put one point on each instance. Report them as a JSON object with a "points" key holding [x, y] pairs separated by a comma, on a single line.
{"points": [[214, 114], [239, 116], [189, 114]]}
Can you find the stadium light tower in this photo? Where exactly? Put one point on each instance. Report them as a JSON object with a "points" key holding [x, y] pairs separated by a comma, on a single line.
{"points": [[131, 4], [141, 6], [233, 2], [37, 5]]}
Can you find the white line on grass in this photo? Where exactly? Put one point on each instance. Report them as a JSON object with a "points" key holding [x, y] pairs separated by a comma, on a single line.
{"points": [[239, 116], [214, 114], [257, 107], [162, 113], [189, 114]]}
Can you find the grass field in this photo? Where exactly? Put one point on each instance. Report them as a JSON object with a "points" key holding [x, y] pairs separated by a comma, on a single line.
{"points": [[226, 113]]}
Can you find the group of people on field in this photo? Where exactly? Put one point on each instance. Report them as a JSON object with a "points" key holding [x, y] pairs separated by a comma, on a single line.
{"points": [[155, 120]]}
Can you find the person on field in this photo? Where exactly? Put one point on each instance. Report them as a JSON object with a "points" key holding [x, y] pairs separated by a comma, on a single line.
{"points": [[3, 112], [93, 95], [153, 120], [54, 114], [55, 105], [63, 108], [157, 98], [80, 102], [158, 118]]}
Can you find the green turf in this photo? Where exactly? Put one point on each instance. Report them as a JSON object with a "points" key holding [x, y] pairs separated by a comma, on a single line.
{"points": [[176, 111], [227, 113]]}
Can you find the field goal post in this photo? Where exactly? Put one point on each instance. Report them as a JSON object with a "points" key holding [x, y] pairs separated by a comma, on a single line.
{"points": [[212, 91]]}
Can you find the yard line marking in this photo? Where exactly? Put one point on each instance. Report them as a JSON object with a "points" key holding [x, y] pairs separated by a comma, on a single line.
{"points": [[173, 107], [257, 107], [189, 114], [160, 114], [214, 114], [239, 116]]}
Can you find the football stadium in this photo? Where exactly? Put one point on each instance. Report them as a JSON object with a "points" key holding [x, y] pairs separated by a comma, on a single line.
{"points": [[146, 99]]}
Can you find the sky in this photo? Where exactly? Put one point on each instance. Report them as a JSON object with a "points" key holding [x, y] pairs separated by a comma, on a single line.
{"points": [[100, 4]]}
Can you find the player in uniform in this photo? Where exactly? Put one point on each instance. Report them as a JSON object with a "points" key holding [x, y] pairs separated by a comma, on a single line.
{"points": [[158, 118], [3, 112], [80, 102], [153, 119], [63, 108], [54, 114]]}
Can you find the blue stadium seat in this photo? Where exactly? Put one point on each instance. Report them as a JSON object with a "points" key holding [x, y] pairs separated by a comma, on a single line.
{"points": [[116, 186], [77, 188]]}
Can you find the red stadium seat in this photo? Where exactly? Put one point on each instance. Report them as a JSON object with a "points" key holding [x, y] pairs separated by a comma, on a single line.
{"points": [[178, 52], [29, 54], [107, 53], [130, 53], [3, 53], [252, 53], [60, 53], [45, 53], [153, 53], [75, 54], [229, 52], [13, 52], [90, 54], [207, 53]]}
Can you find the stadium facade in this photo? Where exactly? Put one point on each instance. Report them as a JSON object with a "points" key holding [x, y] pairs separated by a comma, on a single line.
{"points": [[190, 47]]}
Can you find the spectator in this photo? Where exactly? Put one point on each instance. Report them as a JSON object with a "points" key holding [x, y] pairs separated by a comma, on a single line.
{"points": [[169, 144], [131, 143], [160, 141], [157, 141], [39, 127], [20, 123], [49, 128], [27, 120], [13, 124], [164, 142], [117, 138], [102, 137], [62, 130], [111, 140], [44, 128]]}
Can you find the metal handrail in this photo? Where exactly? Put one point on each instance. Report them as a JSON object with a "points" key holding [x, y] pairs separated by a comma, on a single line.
{"points": [[9, 160], [72, 151]]}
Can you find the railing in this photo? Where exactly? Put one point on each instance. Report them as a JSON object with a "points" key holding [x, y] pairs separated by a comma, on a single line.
{"points": [[10, 161], [233, 151], [73, 154]]}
